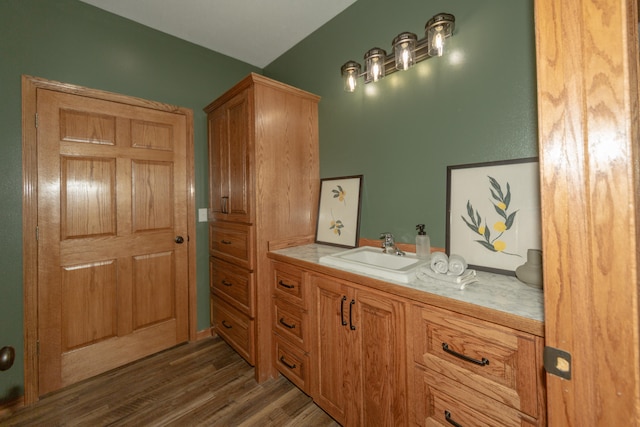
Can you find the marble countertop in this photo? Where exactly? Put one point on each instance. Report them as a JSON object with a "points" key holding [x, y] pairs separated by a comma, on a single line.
{"points": [[495, 291]]}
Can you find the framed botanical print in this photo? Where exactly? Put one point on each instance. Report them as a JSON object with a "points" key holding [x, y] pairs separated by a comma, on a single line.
{"points": [[493, 213], [339, 211]]}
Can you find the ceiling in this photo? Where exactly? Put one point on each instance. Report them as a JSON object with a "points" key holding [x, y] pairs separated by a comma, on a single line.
{"points": [[252, 31]]}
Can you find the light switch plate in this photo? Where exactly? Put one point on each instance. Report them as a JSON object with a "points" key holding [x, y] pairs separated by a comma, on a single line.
{"points": [[203, 215]]}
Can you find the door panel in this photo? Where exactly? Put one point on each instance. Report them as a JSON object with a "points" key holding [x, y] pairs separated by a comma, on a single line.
{"points": [[88, 289], [112, 197]]}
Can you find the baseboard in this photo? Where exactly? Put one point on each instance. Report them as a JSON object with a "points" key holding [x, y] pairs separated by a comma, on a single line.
{"points": [[205, 333], [8, 407]]}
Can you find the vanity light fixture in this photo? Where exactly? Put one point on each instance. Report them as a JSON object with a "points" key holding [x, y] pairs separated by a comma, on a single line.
{"points": [[407, 51]]}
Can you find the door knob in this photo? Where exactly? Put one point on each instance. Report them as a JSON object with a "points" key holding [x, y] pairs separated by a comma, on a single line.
{"points": [[179, 240]]}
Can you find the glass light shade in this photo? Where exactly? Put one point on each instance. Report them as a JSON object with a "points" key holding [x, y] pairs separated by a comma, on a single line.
{"points": [[404, 47], [437, 30], [374, 64], [350, 72]]}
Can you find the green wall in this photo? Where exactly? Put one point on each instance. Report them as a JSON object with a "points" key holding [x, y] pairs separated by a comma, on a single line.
{"points": [[72, 42], [476, 104]]}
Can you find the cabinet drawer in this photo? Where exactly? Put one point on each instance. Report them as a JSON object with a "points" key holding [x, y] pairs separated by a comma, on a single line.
{"points": [[288, 282], [292, 362], [291, 322], [498, 362], [233, 283], [234, 327], [441, 401], [231, 242]]}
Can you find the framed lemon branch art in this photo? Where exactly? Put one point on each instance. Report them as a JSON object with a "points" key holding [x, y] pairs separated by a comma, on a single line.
{"points": [[493, 213], [339, 211]]}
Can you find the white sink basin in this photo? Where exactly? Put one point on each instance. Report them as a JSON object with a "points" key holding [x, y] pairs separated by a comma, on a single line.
{"points": [[373, 261]]}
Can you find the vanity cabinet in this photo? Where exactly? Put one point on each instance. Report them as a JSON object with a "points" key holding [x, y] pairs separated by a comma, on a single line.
{"points": [[472, 372], [359, 354], [264, 183], [375, 353]]}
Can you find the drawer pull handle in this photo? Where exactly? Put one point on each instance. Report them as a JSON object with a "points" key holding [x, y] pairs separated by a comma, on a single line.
{"points": [[224, 282], [285, 363], [285, 324], [225, 242], [224, 323], [285, 285], [447, 416], [482, 362], [353, 328], [342, 321]]}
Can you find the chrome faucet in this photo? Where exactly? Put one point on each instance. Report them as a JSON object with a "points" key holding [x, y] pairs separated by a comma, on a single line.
{"points": [[389, 245]]}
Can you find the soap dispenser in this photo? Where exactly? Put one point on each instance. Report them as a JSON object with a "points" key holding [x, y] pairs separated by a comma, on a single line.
{"points": [[423, 243]]}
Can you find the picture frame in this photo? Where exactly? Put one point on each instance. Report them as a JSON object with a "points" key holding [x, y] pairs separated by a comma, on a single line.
{"points": [[493, 213], [339, 211]]}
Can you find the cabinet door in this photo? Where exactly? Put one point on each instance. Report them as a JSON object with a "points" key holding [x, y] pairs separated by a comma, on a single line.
{"points": [[380, 323], [332, 305], [229, 158], [361, 355]]}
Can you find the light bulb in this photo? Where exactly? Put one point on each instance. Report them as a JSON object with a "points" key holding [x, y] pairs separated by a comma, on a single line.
{"points": [[374, 64], [404, 47]]}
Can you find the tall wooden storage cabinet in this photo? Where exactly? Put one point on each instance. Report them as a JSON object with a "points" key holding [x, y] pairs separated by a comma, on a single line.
{"points": [[264, 184]]}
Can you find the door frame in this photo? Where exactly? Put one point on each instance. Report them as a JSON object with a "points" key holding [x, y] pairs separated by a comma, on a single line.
{"points": [[30, 85]]}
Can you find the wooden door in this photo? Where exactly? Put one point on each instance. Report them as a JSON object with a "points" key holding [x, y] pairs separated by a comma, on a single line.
{"points": [[112, 233], [229, 160], [588, 120], [381, 348]]}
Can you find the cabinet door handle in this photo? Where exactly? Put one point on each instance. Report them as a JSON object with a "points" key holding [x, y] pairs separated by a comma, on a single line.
{"points": [[344, 322], [285, 363], [482, 362], [224, 323], [353, 328], [447, 416], [285, 324], [224, 202], [225, 242], [285, 285], [224, 282]]}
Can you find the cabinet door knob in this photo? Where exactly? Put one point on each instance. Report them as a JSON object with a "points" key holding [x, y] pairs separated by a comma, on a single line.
{"points": [[179, 240]]}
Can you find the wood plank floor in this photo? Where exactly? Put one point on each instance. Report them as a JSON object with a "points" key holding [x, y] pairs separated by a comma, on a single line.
{"points": [[204, 383]]}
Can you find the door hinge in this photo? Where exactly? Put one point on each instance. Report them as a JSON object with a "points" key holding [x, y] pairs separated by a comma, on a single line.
{"points": [[36, 120], [37, 234], [38, 348], [557, 362]]}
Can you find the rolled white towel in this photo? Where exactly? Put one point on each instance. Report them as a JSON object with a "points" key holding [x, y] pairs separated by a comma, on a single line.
{"points": [[429, 276], [439, 262], [457, 265]]}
